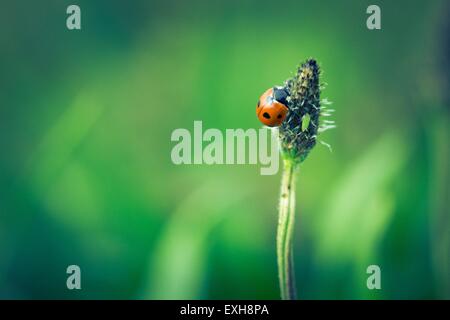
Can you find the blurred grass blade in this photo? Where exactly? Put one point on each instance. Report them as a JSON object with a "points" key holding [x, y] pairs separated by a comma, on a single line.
{"points": [[62, 139], [180, 258], [358, 211]]}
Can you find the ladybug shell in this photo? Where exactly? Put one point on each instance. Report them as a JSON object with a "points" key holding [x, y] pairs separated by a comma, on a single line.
{"points": [[270, 111]]}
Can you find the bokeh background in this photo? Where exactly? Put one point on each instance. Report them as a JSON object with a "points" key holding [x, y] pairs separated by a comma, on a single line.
{"points": [[86, 176]]}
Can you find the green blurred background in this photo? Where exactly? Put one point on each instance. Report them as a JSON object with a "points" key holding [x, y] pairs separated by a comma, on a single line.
{"points": [[86, 176]]}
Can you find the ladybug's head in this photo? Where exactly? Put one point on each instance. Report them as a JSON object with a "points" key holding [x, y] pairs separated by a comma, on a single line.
{"points": [[280, 94]]}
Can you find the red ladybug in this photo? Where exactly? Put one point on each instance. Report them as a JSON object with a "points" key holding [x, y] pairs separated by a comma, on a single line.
{"points": [[272, 107]]}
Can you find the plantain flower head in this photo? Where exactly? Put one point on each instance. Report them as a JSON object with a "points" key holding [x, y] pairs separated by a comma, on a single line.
{"points": [[298, 133]]}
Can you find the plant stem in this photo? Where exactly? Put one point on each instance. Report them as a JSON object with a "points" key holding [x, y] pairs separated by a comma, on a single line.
{"points": [[285, 231]]}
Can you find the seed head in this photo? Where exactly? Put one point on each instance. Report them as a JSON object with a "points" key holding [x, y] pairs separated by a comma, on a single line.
{"points": [[298, 133]]}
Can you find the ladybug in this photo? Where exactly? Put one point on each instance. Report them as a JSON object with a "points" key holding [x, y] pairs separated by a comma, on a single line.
{"points": [[272, 106]]}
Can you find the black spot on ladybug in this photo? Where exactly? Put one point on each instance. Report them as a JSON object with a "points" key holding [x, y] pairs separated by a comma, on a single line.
{"points": [[279, 116], [266, 115]]}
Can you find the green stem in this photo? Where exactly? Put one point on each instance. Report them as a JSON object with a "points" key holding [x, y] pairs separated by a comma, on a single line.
{"points": [[285, 232]]}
